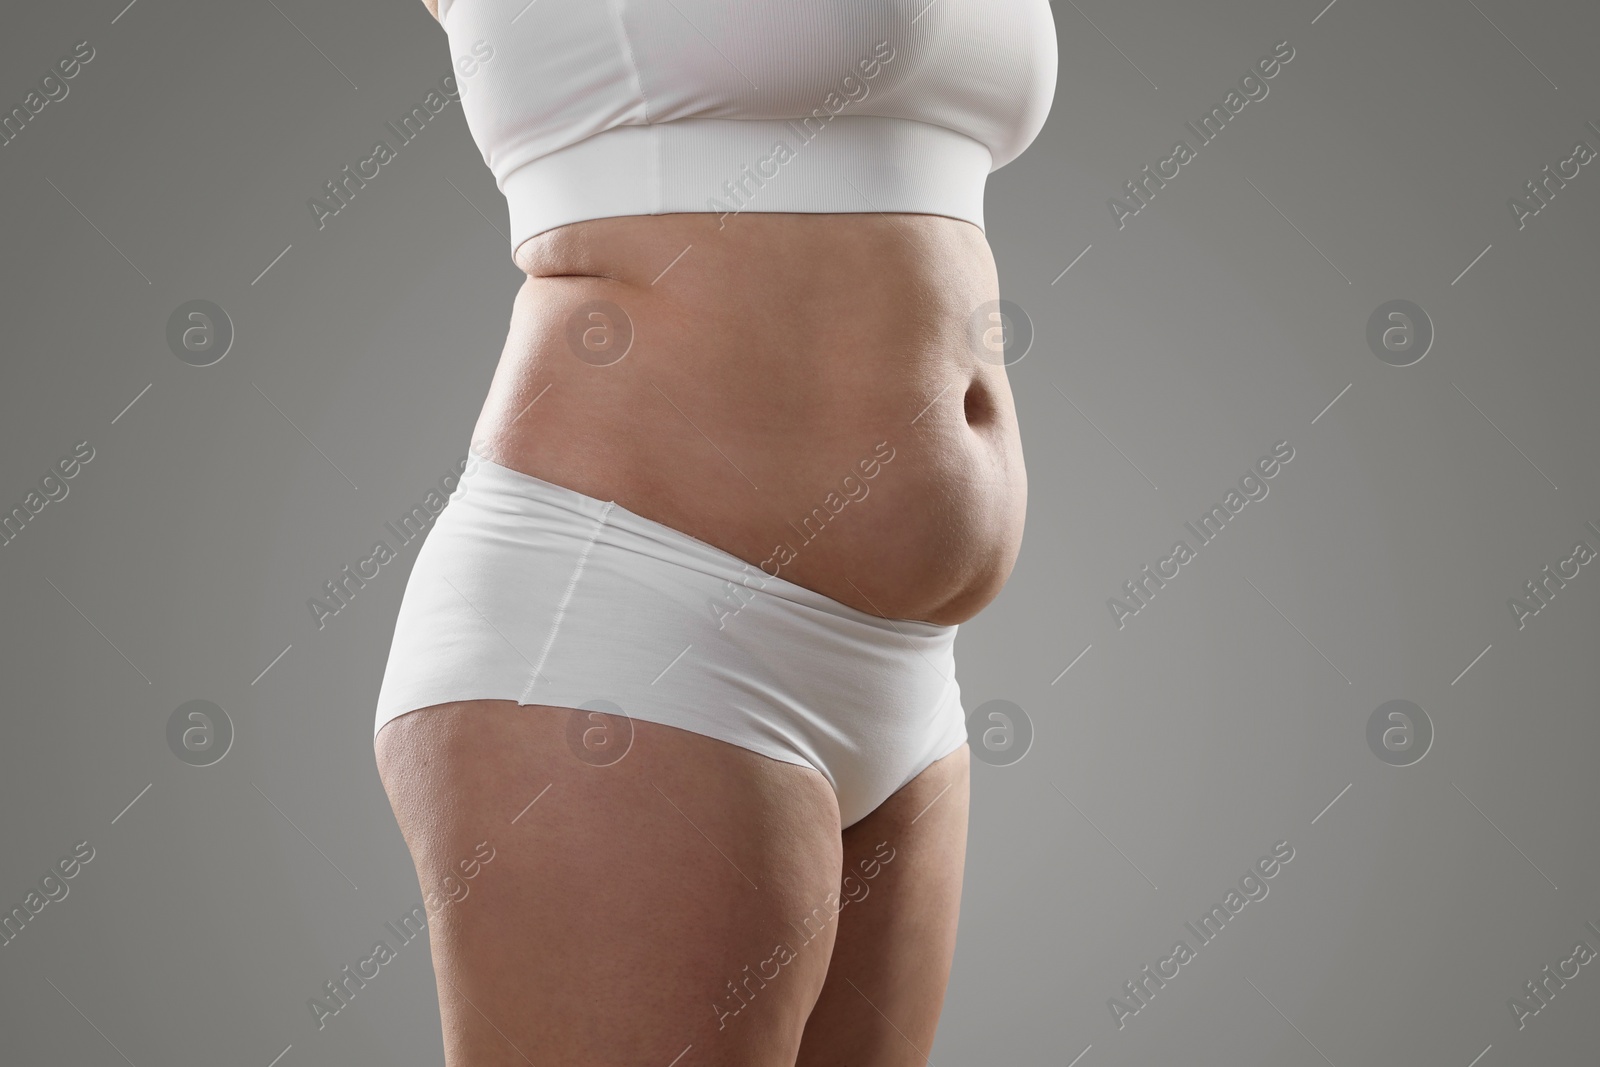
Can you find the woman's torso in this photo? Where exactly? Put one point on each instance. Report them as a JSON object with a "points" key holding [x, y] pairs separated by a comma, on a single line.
{"points": [[773, 367], [820, 394]]}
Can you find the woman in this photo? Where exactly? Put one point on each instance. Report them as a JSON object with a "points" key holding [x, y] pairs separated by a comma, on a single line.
{"points": [[684, 634]]}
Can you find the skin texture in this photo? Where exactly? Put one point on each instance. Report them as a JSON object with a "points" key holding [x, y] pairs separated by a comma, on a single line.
{"points": [[772, 355], [618, 907]]}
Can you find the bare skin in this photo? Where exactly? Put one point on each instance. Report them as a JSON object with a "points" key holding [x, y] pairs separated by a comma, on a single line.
{"points": [[618, 908], [770, 355]]}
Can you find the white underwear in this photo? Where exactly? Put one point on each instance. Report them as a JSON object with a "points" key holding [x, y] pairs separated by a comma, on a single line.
{"points": [[529, 591]]}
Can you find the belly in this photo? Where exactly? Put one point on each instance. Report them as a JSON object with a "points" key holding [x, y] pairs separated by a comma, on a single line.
{"points": [[804, 392]]}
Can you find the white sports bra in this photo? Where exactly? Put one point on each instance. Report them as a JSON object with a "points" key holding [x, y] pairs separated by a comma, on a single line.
{"points": [[588, 109]]}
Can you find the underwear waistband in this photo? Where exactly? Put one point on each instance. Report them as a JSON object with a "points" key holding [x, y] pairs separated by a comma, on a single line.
{"points": [[489, 486]]}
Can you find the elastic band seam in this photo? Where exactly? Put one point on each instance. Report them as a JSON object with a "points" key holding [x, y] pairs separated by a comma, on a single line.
{"points": [[566, 598], [621, 24]]}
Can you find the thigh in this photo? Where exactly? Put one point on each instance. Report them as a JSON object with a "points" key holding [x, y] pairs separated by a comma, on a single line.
{"points": [[902, 869], [627, 911]]}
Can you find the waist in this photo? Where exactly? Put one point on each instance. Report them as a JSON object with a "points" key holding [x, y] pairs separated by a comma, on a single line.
{"points": [[802, 392], [850, 163], [505, 502]]}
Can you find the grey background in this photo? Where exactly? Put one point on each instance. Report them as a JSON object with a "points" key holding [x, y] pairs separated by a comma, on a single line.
{"points": [[1225, 717]]}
